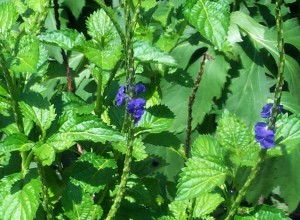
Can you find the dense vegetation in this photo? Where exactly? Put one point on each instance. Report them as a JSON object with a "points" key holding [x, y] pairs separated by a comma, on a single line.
{"points": [[150, 109]]}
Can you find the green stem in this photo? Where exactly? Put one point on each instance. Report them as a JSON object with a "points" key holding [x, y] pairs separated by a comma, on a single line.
{"points": [[99, 99], [277, 97], [45, 197], [129, 60]]}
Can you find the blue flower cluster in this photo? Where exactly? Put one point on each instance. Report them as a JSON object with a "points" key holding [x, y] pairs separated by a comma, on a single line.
{"points": [[263, 135], [135, 107]]}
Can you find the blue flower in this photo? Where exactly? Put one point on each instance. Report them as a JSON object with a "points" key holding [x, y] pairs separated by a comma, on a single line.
{"points": [[267, 110], [264, 136], [139, 88], [121, 96], [136, 107]]}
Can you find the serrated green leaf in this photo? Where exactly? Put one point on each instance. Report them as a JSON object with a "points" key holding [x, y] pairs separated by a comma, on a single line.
{"points": [[144, 52], [42, 114], [67, 39], [36, 5], [15, 142], [76, 104], [101, 28], [92, 172], [234, 135], [21, 197], [138, 153], [201, 175], [77, 205], [8, 16], [207, 145], [210, 18], [75, 6], [27, 57], [206, 204], [156, 119], [287, 135], [262, 212], [179, 208], [45, 153], [250, 90], [105, 57], [87, 127]]}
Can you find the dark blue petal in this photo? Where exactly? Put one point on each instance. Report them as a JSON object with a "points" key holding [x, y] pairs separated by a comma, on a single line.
{"points": [[139, 88], [264, 136]]}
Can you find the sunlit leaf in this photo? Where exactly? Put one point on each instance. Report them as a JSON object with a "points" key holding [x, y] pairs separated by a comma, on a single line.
{"points": [[138, 153], [75, 6], [64, 38], [201, 175], [210, 18], [207, 203], [262, 212], [15, 142], [234, 135], [8, 16], [45, 153]]}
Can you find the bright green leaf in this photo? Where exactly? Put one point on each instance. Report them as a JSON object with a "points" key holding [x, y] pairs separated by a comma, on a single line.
{"points": [[207, 203], [45, 153], [27, 58], [87, 127], [211, 19], [144, 52], [262, 212], [138, 153], [8, 16], [234, 135], [15, 142], [64, 38], [20, 197], [36, 5], [179, 208], [156, 119], [162, 12], [201, 175]]}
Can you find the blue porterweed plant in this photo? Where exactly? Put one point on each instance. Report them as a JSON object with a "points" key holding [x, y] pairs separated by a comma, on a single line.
{"points": [[69, 151]]}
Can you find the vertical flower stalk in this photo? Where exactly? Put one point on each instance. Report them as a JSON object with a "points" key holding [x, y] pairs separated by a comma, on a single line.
{"points": [[129, 61], [264, 132]]}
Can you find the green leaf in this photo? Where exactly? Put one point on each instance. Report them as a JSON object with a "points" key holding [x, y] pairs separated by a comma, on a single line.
{"points": [[92, 172], [206, 204], [8, 16], [162, 12], [36, 5], [178, 209], [207, 145], [45, 153], [71, 102], [234, 135], [42, 114], [87, 127], [144, 52], [75, 6], [138, 153], [15, 142], [262, 212], [210, 18], [20, 197], [201, 175], [250, 90], [156, 119], [291, 32], [105, 57], [290, 103], [101, 28], [27, 57], [67, 39], [287, 135], [77, 205], [267, 38]]}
